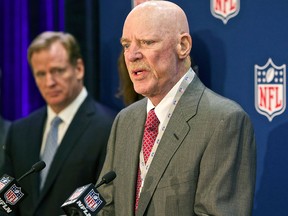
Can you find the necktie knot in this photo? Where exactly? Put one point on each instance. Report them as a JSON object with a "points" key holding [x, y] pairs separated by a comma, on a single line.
{"points": [[55, 122], [152, 121]]}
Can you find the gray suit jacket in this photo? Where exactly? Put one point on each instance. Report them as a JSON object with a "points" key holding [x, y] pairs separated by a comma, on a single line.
{"points": [[204, 165]]}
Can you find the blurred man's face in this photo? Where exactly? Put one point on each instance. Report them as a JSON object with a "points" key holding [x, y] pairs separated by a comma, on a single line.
{"points": [[150, 53], [137, 2], [58, 81]]}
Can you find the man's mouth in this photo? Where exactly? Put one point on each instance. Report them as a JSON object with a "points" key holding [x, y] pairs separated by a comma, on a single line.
{"points": [[138, 72]]}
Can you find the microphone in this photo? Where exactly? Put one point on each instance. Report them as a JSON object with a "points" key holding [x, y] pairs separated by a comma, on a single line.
{"points": [[11, 192], [107, 178], [35, 168], [86, 200]]}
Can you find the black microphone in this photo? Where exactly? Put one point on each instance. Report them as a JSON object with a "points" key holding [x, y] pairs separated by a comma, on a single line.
{"points": [[107, 178], [86, 200], [35, 168], [11, 193]]}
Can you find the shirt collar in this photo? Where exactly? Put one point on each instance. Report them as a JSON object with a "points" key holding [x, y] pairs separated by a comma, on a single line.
{"points": [[162, 108], [68, 113]]}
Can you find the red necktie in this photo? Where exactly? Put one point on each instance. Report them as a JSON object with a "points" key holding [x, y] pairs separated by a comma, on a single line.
{"points": [[149, 137]]}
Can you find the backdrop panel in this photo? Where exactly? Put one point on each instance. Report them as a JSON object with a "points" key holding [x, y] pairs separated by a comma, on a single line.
{"points": [[239, 46]]}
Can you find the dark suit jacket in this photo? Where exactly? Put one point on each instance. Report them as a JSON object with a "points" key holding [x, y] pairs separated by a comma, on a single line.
{"points": [[204, 164], [4, 126], [78, 160]]}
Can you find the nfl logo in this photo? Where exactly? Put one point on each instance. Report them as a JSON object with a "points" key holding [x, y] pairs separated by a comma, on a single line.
{"points": [[92, 200], [3, 182], [77, 193], [13, 195], [270, 89], [224, 9]]}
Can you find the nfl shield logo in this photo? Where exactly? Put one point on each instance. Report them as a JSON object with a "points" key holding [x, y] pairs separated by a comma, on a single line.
{"points": [[13, 195], [3, 182], [92, 200], [224, 9], [77, 193], [270, 89]]}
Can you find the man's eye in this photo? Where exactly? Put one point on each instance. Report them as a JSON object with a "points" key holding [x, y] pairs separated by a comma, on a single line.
{"points": [[40, 74], [147, 42], [125, 46], [58, 71], [61, 70]]}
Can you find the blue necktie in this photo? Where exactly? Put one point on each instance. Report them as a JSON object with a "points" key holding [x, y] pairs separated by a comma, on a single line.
{"points": [[50, 148]]}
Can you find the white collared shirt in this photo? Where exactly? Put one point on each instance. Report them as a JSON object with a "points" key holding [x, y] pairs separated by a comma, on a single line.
{"points": [[162, 108], [66, 115]]}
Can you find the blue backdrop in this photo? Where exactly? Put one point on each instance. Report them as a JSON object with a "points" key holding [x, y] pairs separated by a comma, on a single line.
{"points": [[227, 56]]}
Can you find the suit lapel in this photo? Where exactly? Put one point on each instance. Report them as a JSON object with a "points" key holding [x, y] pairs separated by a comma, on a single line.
{"points": [[172, 138], [138, 117], [35, 133]]}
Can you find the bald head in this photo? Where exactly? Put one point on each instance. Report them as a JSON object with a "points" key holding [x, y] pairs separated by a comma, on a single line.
{"points": [[167, 15]]}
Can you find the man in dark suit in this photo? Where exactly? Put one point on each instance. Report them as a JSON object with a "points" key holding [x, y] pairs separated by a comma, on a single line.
{"points": [[82, 134], [198, 154]]}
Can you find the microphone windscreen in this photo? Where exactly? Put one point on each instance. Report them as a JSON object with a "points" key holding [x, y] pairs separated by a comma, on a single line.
{"points": [[108, 177], [39, 166]]}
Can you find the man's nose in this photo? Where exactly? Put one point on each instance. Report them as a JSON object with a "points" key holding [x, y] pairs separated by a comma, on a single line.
{"points": [[133, 53], [50, 80]]}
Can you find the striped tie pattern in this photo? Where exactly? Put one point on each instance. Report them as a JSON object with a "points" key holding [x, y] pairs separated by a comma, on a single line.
{"points": [[50, 148]]}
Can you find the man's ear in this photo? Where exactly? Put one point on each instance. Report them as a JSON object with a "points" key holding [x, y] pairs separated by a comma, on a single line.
{"points": [[184, 46], [80, 69]]}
